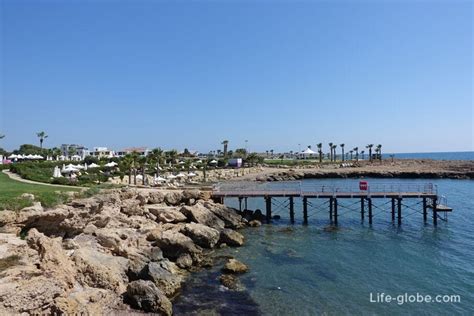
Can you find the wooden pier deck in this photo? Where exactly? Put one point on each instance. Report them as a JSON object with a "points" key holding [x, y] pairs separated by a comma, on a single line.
{"points": [[365, 192]]}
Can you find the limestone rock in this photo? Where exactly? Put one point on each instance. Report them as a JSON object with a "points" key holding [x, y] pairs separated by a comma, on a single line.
{"points": [[199, 214], [184, 261], [173, 198], [168, 282], [146, 296], [235, 266], [174, 243], [202, 235], [255, 223], [231, 237], [131, 207], [225, 213], [167, 214], [156, 197]]}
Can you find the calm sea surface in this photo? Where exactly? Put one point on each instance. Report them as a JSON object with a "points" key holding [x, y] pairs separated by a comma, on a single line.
{"points": [[465, 155], [308, 270]]}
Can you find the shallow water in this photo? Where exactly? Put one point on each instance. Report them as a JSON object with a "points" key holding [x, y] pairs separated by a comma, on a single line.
{"points": [[306, 270]]}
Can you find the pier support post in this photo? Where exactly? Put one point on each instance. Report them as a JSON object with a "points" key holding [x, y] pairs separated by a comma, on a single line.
{"points": [[399, 200], [305, 210], [292, 210], [393, 209], [425, 211], [435, 213], [246, 207], [331, 203], [335, 211], [240, 203], [268, 204], [362, 208], [369, 200]]}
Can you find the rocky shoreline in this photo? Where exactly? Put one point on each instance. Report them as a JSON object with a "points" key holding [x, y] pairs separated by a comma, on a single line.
{"points": [[122, 251]]}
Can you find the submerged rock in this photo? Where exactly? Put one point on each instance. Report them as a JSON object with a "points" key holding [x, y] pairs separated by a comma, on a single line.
{"points": [[231, 237], [235, 266], [146, 296]]}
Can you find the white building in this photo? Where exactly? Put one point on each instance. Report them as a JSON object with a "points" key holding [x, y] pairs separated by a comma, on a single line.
{"points": [[74, 150], [102, 152]]}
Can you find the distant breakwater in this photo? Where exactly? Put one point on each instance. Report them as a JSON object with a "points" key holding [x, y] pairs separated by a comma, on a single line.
{"points": [[300, 175]]}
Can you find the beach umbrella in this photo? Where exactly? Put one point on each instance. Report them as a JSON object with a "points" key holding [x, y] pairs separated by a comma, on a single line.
{"points": [[180, 175], [191, 174], [159, 179], [111, 164], [93, 165], [171, 176], [69, 169], [181, 162], [12, 156], [213, 161], [79, 166]]}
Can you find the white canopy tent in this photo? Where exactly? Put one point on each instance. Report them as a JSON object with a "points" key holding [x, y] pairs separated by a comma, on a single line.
{"points": [[308, 152]]}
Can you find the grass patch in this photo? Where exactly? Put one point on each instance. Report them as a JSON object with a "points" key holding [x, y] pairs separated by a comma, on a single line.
{"points": [[9, 262], [11, 191]]}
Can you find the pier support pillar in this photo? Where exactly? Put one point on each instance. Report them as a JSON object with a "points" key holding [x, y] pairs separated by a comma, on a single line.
{"points": [[331, 204], [335, 211], [425, 211], [240, 203], [435, 213], [246, 207], [268, 207], [362, 208], [305, 210], [399, 202], [292, 210], [393, 209], [369, 200]]}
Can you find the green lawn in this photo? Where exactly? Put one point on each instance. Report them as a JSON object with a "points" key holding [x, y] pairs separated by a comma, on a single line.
{"points": [[11, 190]]}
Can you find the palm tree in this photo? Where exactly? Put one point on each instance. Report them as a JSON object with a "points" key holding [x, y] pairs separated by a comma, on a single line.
{"points": [[42, 136], [330, 148], [143, 162], [342, 148], [320, 152], [362, 154], [379, 151], [225, 143], [369, 146], [271, 151], [351, 152], [135, 157], [2, 136], [356, 149], [267, 153], [334, 152], [157, 155], [127, 164]]}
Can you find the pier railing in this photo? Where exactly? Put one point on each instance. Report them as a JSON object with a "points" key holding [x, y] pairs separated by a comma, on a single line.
{"points": [[304, 188]]}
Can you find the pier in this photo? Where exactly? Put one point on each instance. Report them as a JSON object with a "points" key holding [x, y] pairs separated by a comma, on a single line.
{"points": [[363, 193]]}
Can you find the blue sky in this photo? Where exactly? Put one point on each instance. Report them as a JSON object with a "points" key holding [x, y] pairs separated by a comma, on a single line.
{"points": [[191, 74]]}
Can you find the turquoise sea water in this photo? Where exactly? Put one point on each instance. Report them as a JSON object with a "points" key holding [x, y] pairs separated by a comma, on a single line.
{"points": [[464, 155], [311, 270]]}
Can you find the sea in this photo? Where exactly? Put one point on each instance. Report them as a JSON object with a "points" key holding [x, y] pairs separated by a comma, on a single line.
{"points": [[460, 155], [314, 269]]}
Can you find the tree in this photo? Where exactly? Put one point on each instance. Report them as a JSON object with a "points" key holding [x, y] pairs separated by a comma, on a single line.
{"points": [[2, 136], [226, 144], [342, 148], [356, 149], [143, 163], [172, 155], [240, 153], [379, 151], [135, 157], [271, 152], [330, 149], [157, 156], [334, 152], [127, 164], [42, 136], [369, 146], [351, 152], [320, 152], [362, 154]]}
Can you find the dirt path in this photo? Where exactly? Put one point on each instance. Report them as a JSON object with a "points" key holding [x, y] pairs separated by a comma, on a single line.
{"points": [[16, 177]]}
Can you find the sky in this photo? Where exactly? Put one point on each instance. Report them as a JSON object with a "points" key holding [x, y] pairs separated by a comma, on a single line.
{"points": [[282, 75]]}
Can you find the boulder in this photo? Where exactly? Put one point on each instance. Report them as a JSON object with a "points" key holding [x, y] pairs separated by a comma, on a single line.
{"points": [[156, 197], [28, 196], [36, 207], [199, 214], [131, 207], [191, 195], [97, 269], [143, 197], [235, 266], [202, 235], [173, 198], [255, 223], [231, 282], [184, 261], [167, 214], [91, 204], [146, 296], [164, 279], [229, 215], [173, 244], [231, 237]]}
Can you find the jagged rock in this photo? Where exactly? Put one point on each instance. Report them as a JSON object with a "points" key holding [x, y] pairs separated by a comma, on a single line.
{"points": [[255, 223], [143, 197], [228, 215], [174, 243], [88, 301], [230, 281], [146, 296], [258, 215], [108, 238], [184, 261], [231, 237], [154, 234], [199, 214], [28, 196], [173, 198], [205, 195], [131, 207], [202, 235], [36, 207], [164, 279], [91, 204], [235, 266], [167, 214], [156, 197], [191, 195], [101, 270]]}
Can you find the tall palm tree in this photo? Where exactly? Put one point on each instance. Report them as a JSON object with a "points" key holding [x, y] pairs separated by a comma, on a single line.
{"points": [[271, 151], [127, 164], [330, 148], [342, 148], [379, 151], [143, 163], [2, 136], [369, 146], [356, 149], [320, 152], [351, 152], [135, 158], [226, 144], [42, 136], [362, 154], [334, 152], [157, 155]]}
